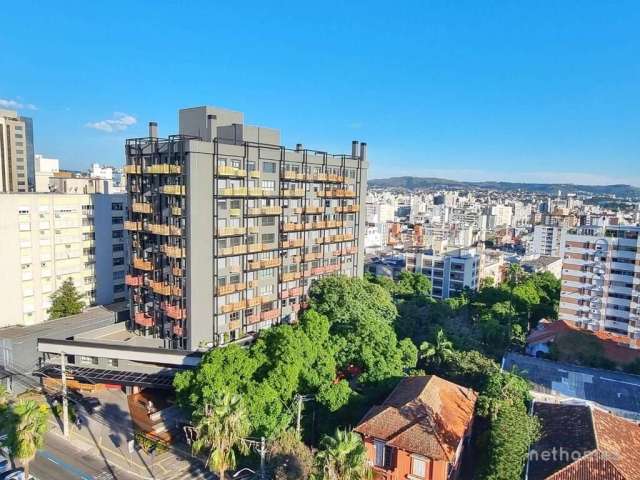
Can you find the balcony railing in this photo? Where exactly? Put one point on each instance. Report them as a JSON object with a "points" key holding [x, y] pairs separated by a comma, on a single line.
{"points": [[337, 193], [270, 314], [227, 289], [262, 264], [134, 226], [160, 288], [265, 211], [177, 271], [287, 277], [230, 231], [172, 189], [140, 207], [293, 192], [227, 171], [173, 251], [177, 211], [234, 324], [251, 319], [175, 312], [143, 319], [133, 280], [163, 168], [234, 191], [347, 209], [141, 264], [293, 243], [178, 330], [160, 229], [132, 169]]}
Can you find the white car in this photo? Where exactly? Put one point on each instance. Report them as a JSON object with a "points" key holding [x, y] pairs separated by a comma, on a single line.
{"points": [[5, 464]]}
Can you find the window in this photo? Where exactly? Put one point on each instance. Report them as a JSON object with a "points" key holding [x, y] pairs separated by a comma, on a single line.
{"points": [[418, 467], [268, 238], [383, 454], [118, 288], [116, 206], [269, 167], [116, 220], [118, 261], [118, 275], [117, 234], [119, 247], [234, 316], [268, 221], [89, 360], [112, 362]]}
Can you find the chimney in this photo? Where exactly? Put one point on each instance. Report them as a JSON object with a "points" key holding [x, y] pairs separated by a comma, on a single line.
{"points": [[354, 148], [363, 152], [153, 129], [210, 119]]}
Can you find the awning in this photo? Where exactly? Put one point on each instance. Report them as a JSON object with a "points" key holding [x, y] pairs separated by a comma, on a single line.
{"points": [[115, 377]]}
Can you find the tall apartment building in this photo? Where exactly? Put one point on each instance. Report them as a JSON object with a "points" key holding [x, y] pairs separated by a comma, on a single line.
{"points": [[547, 240], [601, 280], [17, 169], [228, 228], [450, 272], [47, 238]]}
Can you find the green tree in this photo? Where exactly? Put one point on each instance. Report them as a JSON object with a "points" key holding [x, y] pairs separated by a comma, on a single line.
{"points": [[65, 301], [343, 457], [27, 425], [437, 353], [410, 283], [289, 457], [220, 429]]}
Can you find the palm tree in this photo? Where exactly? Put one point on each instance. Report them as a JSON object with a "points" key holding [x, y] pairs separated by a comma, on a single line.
{"points": [[221, 428], [28, 424], [438, 352], [343, 457]]}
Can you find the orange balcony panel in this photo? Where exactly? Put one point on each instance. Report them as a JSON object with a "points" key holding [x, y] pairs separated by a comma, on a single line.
{"points": [[133, 280], [251, 319], [134, 226], [143, 319], [178, 330], [294, 292], [142, 264], [175, 312], [140, 207], [284, 294], [317, 271], [177, 271], [270, 314], [234, 324]]}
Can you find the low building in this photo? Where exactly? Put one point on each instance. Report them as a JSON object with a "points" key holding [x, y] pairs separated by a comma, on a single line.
{"points": [[381, 266], [542, 264], [579, 442], [420, 430]]}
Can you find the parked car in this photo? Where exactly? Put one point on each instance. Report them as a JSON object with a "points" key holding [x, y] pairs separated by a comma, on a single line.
{"points": [[5, 464], [91, 404], [15, 474]]}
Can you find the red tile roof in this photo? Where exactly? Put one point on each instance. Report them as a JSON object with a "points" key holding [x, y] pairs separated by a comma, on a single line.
{"points": [[426, 415]]}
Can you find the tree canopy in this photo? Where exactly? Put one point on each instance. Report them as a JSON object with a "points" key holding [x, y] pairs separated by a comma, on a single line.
{"points": [[65, 301]]}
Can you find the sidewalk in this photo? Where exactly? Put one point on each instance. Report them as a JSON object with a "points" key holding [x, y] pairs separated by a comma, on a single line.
{"points": [[106, 435]]}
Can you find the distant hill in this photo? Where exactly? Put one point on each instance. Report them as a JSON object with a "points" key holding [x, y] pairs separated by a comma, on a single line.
{"points": [[412, 183]]}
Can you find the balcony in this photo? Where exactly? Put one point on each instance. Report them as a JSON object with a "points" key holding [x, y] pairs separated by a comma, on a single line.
{"points": [[294, 292], [287, 277], [234, 192], [163, 168], [331, 268], [317, 271], [177, 271], [140, 207], [132, 169], [292, 227], [347, 209], [233, 307], [293, 192], [292, 175], [262, 264], [143, 319], [175, 312], [177, 211], [234, 325], [172, 189], [141, 264], [337, 193], [227, 289], [133, 280], [230, 231], [270, 314], [284, 294], [251, 319], [166, 230], [160, 288], [307, 257], [227, 171], [173, 251], [178, 330], [265, 211], [252, 302], [294, 243], [134, 226]]}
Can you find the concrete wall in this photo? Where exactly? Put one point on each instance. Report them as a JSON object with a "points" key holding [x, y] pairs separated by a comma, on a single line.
{"points": [[199, 226]]}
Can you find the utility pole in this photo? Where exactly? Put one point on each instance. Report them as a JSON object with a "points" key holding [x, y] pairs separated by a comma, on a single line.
{"points": [[263, 453], [65, 401], [299, 397]]}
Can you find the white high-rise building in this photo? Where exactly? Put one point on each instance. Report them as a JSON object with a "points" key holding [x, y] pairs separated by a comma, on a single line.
{"points": [[546, 241], [16, 152]]}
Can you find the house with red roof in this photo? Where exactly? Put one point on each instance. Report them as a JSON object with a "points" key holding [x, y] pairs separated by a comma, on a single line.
{"points": [[420, 430]]}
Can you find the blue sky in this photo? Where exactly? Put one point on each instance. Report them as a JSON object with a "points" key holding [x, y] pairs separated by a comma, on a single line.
{"points": [[471, 90]]}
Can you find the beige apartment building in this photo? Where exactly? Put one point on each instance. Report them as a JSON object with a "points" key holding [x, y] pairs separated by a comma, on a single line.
{"points": [[601, 280], [16, 152], [47, 238]]}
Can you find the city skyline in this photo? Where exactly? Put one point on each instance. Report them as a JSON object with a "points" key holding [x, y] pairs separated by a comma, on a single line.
{"points": [[513, 93]]}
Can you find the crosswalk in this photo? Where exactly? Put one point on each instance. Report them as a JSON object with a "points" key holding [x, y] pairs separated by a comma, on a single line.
{"points": [[193, 473]]}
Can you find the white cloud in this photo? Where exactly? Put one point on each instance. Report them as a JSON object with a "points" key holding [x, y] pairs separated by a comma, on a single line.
{"points": [[16, 105], [119, 122]]}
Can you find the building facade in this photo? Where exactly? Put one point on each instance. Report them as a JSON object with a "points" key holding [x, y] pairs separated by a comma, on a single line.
{"points": [[17, 169], [450, 272], [48, 238], [546, 241], [601, 280], [228, 228]]}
